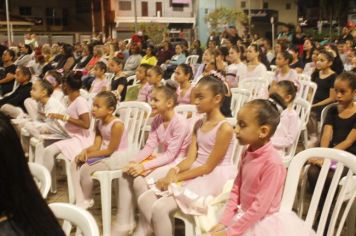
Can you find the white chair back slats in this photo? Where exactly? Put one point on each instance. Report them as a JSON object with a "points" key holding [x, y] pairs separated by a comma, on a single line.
{"points": [[302, 107], [135, 116], [186, 110], [131, 78], [82, 219], [341, 160], [192, 60], [239, 97], [257, 86], [307, 90]]}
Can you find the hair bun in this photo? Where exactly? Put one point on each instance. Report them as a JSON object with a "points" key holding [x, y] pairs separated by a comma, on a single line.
{"points": [[171, 84]]}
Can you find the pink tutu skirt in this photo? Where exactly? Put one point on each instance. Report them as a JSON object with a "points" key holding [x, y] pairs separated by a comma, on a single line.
{"points": [[281, 223], [71, 147]]}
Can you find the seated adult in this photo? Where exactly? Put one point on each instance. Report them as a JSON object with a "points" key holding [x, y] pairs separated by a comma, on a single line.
{"points": [[7, 72], [13, 105], [25, 55], [175, 60], [133, 61]]}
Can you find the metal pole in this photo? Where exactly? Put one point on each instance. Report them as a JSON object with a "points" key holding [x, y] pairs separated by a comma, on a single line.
{"points": [[272, 22], [249, 17], [135, 9], [8, 23], [92, 18], [102, 19]]}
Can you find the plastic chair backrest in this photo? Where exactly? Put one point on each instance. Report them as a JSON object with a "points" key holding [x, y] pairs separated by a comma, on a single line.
{"points": [[269, 75], [135, 116], [42, 177], [304, 77], [192, 60], [343, 160], [239, 97], [256, 86], [302, 107], [131, 78], [81, 218], [307, 90], [186, 110], [324, 112]]}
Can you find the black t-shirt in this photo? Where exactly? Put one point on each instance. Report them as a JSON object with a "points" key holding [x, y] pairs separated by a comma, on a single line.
{"points": [[323, 90], [298, 64], [341, 128], [116, 81], [7, 87]]}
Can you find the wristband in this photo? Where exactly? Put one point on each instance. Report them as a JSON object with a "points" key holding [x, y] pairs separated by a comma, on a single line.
{"points": [[66, 117]]}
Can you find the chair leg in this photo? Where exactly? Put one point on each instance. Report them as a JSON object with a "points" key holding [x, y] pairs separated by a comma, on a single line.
{"points": [[351, 221], [54, 180], [105, 189], [71, 191], [305, 135]]}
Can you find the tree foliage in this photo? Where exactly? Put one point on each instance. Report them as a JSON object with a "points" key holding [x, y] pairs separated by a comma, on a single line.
{"points": [[153, 30], [223, 16]]}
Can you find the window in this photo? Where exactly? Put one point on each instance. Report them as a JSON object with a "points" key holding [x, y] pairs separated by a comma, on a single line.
{"points": [[50, 12], [243, 4], [125, 5], [288, 6], [144, 8], [177, 7], [25, 11], [265, 5], [82, 6]]}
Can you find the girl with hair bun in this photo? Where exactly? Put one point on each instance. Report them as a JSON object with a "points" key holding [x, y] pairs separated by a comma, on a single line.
{"points": [[166, 145], [201, 175]]}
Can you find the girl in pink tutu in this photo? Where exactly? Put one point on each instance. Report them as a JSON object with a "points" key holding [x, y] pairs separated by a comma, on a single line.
{"points": [[183, 75], [253, 207], [201, 175], [104, 153], [77, 124]]}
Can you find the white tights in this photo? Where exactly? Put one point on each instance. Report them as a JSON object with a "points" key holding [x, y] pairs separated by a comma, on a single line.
{"points": [[156, 214], [48, 157], [82, 179]]}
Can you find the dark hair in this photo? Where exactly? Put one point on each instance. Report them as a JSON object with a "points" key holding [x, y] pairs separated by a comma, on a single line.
{"points": [[118, 61], [67, 50], [56, 75], [186, 70], [145, 66], [215, 84], [283, 43], [20, 199], [266, 113], [170, 90], [11, 53], [294, 49], [157, 70], [261, 56], [153, 51], [28, 47], [25, 71], [289, 87], [110, 98], [73, 80], [348, 76], [287, 56], [238, 49], [47, 86], [329, 56], [101, 65]]}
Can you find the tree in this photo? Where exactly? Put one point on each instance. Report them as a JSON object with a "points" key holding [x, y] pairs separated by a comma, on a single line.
{"points": [[153, 30], [223, 16], [334, 10]]}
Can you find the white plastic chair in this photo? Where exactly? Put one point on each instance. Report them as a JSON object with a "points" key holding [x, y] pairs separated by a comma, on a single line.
{"points": [[239, 97], [82, 219], [306, 91], [324, 112], [196, 225], [351, 219], [273, 67], [304, 77], [132, 78], [192, 60], [258, 87], [42, 178], [135, 116], [303, 108], [269, 75], [186, 110], [344, 160]]}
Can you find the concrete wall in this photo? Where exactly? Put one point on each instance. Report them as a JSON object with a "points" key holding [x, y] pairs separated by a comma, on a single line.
{"points": [[167, 10]]}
